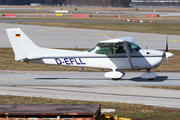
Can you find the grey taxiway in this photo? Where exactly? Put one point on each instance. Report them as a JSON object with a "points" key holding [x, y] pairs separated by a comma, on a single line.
{"points": [[89, 85]]}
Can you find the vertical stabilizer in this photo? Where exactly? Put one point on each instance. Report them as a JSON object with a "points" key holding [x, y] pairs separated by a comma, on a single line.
{"points": [[21, 44]]}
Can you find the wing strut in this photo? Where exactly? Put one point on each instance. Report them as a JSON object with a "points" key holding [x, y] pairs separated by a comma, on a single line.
{"points": [[128, 54]]}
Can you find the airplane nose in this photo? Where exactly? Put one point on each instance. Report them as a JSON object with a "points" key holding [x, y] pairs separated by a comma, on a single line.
{"points": [[168, 54]]}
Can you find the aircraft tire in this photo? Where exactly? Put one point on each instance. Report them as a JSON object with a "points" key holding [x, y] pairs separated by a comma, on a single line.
{"points": [[115, 79]]}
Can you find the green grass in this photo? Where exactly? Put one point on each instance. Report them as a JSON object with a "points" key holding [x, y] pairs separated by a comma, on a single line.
{"points": [[122, 109]]}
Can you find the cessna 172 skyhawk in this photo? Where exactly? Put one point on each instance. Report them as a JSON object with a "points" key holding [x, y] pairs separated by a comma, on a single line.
{"points": [[120, 53]]}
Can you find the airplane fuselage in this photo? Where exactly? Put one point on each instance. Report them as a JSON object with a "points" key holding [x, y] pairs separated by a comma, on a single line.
{"points": [[143, 59]]}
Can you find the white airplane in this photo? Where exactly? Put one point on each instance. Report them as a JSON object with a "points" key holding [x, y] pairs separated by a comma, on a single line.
{"points": [[120, 53]]}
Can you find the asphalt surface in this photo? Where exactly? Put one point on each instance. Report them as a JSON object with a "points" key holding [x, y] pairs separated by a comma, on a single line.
{"points": [[58, 37], [82, 86], [9, 77]]}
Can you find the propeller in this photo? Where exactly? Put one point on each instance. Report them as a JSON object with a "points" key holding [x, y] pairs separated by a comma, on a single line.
{"points": [[166, 43], [168, 54]]}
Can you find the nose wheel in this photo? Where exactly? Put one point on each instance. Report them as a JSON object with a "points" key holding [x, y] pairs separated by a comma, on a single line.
{"points": [[116, 79], [149, 75]]}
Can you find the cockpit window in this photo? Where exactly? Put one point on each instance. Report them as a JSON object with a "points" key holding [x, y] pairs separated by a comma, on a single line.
{"points": [[103, 50], [120, 49], [134, 48]]}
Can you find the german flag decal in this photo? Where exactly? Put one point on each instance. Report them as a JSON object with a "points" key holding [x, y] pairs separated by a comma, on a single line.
{"points": [[18, 35]]}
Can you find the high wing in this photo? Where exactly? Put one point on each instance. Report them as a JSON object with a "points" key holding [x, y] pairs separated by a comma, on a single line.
{"points": [[119, 42]]}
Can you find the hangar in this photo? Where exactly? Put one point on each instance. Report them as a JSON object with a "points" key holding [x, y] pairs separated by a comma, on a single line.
{"points": [[155, 3]]}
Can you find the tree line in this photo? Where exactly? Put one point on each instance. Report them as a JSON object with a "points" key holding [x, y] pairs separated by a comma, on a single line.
{"points": [[20, 2], [88, 2], [104, 3]]}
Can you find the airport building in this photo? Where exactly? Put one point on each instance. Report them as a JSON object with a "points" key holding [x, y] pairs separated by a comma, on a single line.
{"points": [[155, 3], [124, 3], [100, 3], [86, 3], [35, 4]]}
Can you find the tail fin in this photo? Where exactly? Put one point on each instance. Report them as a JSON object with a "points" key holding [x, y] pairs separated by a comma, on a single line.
{"points": [[22, 46]]}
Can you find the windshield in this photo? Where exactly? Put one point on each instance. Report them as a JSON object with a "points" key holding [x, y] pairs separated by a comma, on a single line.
{"points": [[134, 47]]}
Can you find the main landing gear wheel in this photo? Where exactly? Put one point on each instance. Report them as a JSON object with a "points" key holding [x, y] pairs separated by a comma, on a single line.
{"points": [[114, 75], [115, 79]]}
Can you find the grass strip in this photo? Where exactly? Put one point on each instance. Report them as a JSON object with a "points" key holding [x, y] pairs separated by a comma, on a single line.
{"points": [[122, 109], [8, 63], [163, 87]]}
